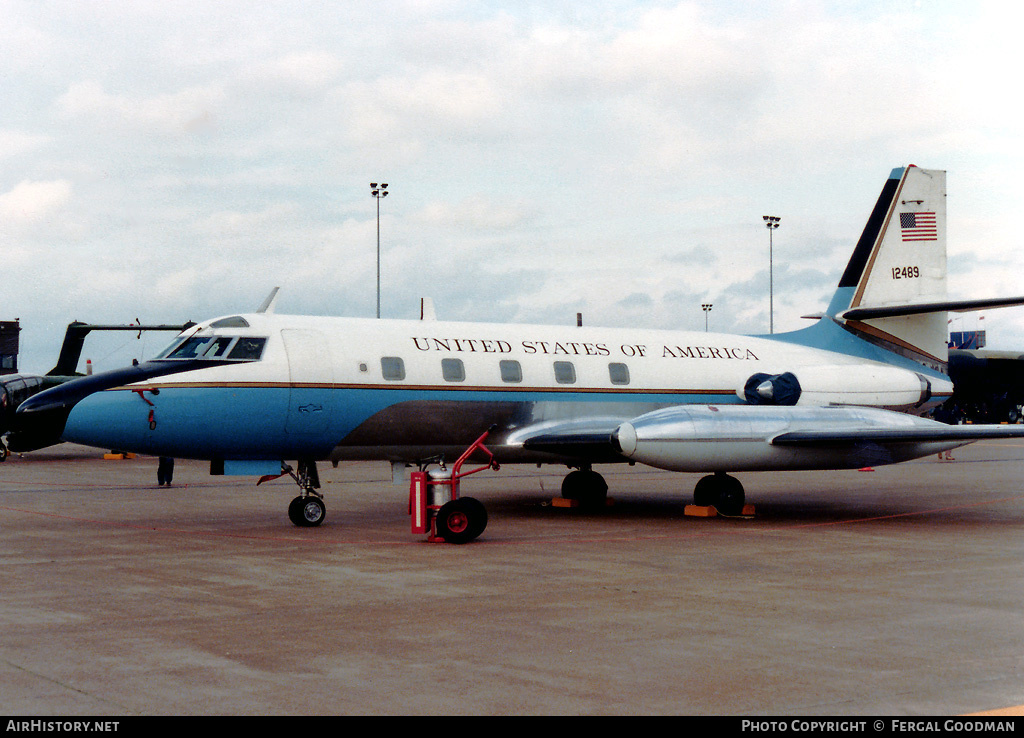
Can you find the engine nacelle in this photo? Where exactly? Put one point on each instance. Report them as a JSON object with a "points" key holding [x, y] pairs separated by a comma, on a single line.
{"points": [[707, 438], [872, 385]]}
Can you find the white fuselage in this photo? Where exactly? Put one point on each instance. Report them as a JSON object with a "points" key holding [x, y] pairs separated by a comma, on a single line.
{"points": [[363, 388]]}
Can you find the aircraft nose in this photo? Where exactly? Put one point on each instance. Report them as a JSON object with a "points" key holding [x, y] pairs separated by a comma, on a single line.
{"points": [[624, 439], [42, 418]]}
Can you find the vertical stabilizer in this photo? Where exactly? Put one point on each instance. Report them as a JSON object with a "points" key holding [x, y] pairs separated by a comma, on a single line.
{"points": [[900, 260]]}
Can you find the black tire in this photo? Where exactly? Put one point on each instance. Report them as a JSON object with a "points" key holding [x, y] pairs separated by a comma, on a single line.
{"points": [[293, 510], [307, 512], [477, 515], [720, 491], [729, 498], [705, 492], [586, 486], [461, 520]]}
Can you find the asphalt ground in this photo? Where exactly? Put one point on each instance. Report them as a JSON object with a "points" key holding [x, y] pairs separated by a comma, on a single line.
{"points": [[896, 591]]}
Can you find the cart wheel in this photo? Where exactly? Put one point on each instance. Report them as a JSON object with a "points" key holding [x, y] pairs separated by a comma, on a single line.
{"points": [[461, 520]]}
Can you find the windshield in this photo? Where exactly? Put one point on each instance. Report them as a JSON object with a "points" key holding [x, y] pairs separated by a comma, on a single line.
{"points": [[215, 348]]}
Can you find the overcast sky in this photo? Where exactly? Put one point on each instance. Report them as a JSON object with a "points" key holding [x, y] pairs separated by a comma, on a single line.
{"points": [[176, 160]]}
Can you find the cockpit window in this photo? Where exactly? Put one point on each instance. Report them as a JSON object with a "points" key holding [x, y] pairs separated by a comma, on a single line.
{"points": [[190, 349], [167, 351], [247, 349], [216, 348]]}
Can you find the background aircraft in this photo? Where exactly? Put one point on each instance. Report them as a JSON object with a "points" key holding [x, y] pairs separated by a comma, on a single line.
{"points": [[988, 387], [16, 388], [250, 391]]}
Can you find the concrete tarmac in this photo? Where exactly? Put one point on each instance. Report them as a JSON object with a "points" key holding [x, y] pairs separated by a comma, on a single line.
{"points": [[898, 591]]}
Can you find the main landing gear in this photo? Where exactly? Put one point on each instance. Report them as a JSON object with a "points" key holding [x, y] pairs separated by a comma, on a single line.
{"points": [[720, 491], [585, 486]]}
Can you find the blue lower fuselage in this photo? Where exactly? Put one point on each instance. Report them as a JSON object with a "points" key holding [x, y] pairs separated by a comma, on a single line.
{"points": [[216, 422]]}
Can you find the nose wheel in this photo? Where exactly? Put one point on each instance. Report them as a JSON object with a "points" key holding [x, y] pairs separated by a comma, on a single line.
{"points": [[307, 511]]}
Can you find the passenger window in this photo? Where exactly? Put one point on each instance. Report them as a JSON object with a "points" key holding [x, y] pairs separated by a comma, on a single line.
{"points": [[565, 372], [618, 373], [453, 370], [392, 368], [510, 371], [248, 349]]}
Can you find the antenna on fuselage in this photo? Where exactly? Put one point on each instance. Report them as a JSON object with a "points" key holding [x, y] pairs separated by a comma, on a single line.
{"points": [[268, 304]]}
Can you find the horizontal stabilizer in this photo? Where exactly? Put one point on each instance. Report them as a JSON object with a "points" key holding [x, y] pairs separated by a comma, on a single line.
{"points": [[953, 306]]}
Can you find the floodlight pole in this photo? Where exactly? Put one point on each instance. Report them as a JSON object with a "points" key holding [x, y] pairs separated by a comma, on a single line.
{"points": [[378, 193], [707, 309], [771, 222]]}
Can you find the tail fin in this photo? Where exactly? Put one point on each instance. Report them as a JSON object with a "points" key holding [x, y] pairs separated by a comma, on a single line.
{"points": [[893, 292]]}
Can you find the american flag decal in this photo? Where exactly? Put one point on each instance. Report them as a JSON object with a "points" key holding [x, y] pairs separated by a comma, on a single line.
{"points": [[919, 227]]}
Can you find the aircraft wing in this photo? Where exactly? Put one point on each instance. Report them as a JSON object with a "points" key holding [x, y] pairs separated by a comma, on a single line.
{"points": [[700, 438], [764, 438], [885, 436], [589, 439]]}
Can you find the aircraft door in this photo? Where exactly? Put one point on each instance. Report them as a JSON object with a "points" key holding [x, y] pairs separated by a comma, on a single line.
{"points": [[310, 381]]}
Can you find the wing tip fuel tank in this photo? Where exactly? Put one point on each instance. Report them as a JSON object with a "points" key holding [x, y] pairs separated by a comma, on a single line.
{"points": [[766, 438]]}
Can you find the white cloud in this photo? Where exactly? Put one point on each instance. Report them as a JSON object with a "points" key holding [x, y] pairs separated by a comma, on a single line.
{"points": [[186, 110], [410, 110], [31, 202], [15, 143], [475, 212]]}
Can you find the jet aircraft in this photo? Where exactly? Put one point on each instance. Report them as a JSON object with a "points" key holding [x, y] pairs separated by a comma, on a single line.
{"points": [[248, 392]]}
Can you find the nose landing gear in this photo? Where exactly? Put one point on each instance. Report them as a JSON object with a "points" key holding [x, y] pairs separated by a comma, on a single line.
{"points": [[308, 509]]}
